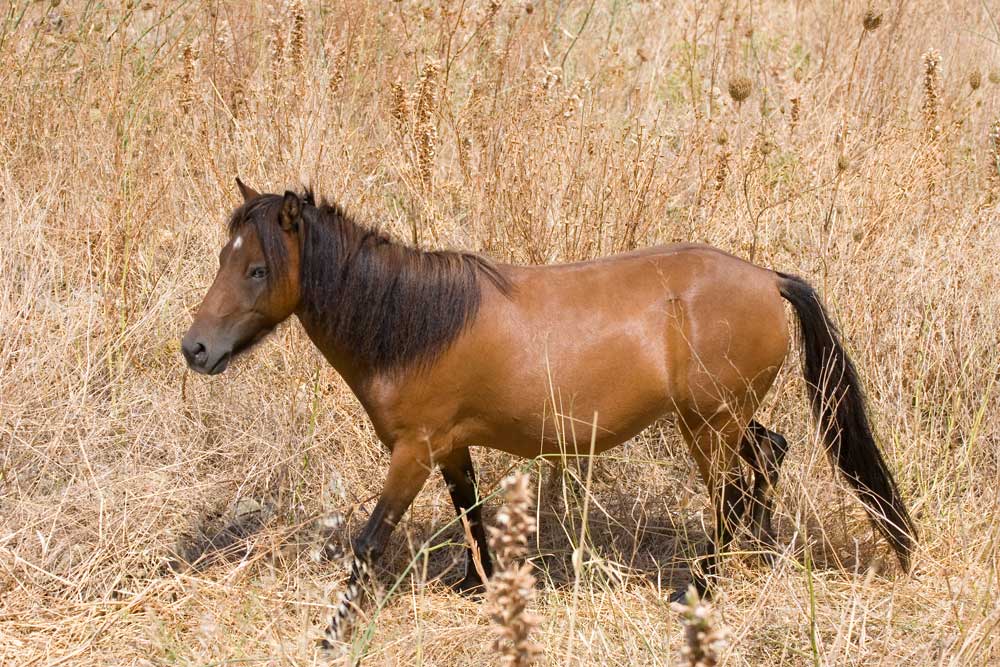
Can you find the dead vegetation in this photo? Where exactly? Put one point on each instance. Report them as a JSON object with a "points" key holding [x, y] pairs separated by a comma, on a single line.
{"points": [[151, 517]]}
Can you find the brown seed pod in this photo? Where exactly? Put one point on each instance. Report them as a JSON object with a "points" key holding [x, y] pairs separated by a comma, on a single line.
{"points": [[871, 20], [975, 79], [740, 88]]}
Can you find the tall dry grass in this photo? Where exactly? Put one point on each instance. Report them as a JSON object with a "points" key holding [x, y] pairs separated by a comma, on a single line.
{"points": [[535, 131]]}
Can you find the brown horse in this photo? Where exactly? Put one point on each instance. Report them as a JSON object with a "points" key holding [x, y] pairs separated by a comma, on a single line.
{"points": [[446, 350]]}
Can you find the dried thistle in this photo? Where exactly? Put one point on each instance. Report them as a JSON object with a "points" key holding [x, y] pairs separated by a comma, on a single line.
{"points": [[975, 79], [186, 98], [425, 130], [871, 20], [794, 113], [740, 88], [704, 639], [511, 589], [297, 41], [932, 74]]}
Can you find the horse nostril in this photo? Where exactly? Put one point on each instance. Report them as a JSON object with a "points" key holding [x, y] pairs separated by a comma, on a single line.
{"points": [[199, 353], [196, 353]]}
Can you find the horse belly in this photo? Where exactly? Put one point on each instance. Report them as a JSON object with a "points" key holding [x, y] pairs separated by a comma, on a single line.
{"points": [[567, 391]]}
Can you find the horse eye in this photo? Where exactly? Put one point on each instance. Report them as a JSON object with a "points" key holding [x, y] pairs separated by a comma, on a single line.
{"points": [[258, 273]]}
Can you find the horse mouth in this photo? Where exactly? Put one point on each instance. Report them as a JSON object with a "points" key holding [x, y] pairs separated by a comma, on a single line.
{"points": [[220, 365], [242, 348]]}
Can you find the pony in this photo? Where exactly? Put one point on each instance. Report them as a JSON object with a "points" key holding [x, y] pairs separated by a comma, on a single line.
{"points": [[445, 350]]}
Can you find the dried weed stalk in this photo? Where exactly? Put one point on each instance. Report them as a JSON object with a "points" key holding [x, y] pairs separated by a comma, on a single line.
{"points": [[512, 586], [932, 84], [704, 637], [187, 95], [426, 133]]}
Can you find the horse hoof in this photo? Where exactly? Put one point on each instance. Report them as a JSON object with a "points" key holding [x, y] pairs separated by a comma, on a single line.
{"points": [[679, 595], [470, 587]]}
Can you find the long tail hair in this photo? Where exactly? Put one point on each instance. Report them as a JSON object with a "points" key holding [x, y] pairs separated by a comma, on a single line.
{"points": [[838, 403]]}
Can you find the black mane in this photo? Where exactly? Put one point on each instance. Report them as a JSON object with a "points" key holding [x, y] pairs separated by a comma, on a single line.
{"points": [[386, 304]]}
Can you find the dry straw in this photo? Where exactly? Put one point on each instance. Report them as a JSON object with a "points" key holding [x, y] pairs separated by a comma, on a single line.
{"points": [[512, 587]]}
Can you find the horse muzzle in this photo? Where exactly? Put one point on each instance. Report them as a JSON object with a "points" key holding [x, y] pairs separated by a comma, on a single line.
{"points": [[203, 357]]}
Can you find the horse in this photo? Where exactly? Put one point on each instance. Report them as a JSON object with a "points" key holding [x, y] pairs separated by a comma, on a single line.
{"points": [[446, 349]]}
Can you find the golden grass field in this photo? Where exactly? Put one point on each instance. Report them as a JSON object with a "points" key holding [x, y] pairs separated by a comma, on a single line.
{"points": [[534, 131]]}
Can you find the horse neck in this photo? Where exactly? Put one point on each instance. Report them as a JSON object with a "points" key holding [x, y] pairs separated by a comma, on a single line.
{"points": [[335, 348], [373, 305]]}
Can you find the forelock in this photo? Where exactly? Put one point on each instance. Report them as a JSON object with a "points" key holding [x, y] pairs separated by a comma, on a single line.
{"points": [[260, 216]]}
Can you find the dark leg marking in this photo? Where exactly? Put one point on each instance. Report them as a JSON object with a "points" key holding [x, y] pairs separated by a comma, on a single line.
{"points": [[729, 512], [765, 451], [460, 476]]}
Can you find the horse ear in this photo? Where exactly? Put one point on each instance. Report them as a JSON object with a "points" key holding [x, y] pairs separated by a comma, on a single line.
{"points": [[245, 190], [291, 209]]}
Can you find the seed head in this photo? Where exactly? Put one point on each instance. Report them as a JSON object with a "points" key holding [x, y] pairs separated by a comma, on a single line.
{"points": [[337, 72], [399, 108], [511, 589], [994, 76], [994, 167], [721, 170], [794, 113], [932, 73], [297, 41], [843, 162], [975, 79], [740, 88], [871, 20], [186, 98], [426, 132], [704, 638]]}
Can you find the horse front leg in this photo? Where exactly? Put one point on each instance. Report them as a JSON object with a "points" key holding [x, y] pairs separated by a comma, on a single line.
{"points": [[460, 476], [409, 468]]}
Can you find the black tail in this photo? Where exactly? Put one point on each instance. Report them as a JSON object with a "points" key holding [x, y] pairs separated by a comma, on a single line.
{"points": [[838, 402]]}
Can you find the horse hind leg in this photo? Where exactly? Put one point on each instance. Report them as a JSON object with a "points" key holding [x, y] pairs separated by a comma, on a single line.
{"points": [[715, 446], [764, 451]]}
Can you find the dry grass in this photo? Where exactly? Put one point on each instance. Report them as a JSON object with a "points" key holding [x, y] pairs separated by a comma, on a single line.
{"points": [[553, 130]]}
